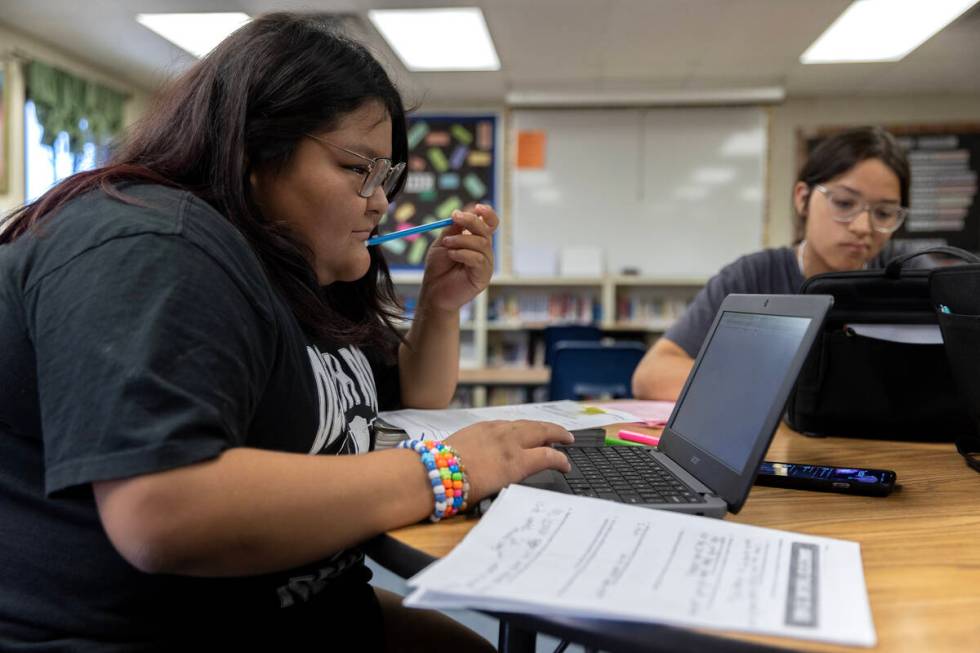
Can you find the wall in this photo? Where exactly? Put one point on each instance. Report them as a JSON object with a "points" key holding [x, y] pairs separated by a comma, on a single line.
{"points": [[11, 41], [785, 121], [797, 113]]}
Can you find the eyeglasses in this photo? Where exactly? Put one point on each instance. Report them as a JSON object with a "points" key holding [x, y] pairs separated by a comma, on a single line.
{"points": [[381, 171], [846, 206]]}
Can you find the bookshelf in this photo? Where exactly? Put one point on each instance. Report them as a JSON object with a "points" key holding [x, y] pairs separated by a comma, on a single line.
{"points": [[501, 337]]}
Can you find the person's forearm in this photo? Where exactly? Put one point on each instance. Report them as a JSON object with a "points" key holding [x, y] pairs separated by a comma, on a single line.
{"points": [[666, 384], [252, 511], [429, 360], [661, 375]]}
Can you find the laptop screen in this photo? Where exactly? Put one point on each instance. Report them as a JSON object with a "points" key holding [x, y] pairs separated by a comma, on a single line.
{"points": [[731, 392]]}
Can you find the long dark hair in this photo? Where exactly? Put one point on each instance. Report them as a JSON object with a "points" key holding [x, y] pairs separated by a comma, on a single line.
{"points": [[839, 153], [242, 107]]}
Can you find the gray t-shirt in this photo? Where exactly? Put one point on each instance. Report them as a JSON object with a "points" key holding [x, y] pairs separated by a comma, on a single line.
{"points": [[772, 272]]}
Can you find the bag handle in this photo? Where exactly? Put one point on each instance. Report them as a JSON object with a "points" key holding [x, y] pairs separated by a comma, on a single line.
{"points": [[894, 268]]}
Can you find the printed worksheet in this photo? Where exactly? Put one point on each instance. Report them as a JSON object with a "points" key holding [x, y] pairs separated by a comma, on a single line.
{"points": [[544, 552], [439, 424]]}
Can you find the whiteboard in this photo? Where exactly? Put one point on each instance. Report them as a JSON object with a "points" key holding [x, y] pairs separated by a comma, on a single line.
{"points": [[675, 193]]}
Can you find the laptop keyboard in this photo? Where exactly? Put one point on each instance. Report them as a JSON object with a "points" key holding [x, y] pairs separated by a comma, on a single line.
{"points": [[624, 474]]}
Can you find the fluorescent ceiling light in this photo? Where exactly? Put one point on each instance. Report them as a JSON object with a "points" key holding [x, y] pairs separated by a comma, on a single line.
{"points": [[707, 97], [882, 30], [196, 33], [438, 39]]}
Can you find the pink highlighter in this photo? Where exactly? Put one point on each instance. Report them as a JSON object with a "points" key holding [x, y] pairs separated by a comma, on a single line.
{"points": [[633, 436]]}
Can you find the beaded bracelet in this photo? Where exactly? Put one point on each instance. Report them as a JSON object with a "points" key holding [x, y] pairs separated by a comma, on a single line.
{"points": [[450, 486]]}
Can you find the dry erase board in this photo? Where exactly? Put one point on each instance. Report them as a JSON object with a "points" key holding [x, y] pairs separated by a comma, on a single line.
{"points": [[944, 196], [451, 165], [674, 193]]}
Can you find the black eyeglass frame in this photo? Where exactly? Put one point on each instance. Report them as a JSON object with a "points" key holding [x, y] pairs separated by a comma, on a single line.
{"points": [[381, 171]]}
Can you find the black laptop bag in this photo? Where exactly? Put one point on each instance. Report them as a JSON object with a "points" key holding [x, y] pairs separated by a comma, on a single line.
{"points": [[857, 386], [956, 294]]}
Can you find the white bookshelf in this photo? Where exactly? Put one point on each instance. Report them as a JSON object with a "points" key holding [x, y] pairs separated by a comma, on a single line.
{"points": [[652, 304]]}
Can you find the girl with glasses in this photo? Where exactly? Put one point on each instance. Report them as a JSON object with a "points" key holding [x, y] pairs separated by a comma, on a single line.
{"points": [[196, 342], [850, 197]]}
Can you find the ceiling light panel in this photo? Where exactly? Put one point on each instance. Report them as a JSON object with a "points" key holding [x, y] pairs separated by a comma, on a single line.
{"points": [[882, 30], [438, 39], [196, 33]]}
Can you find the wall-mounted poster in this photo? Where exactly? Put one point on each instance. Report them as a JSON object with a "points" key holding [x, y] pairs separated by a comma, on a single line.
{"points": [[451, 165]]}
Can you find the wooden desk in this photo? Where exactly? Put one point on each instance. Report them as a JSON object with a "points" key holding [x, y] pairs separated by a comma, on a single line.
{"points": [[920, 546]]}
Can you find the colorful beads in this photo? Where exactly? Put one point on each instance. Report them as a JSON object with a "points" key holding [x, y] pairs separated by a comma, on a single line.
{"points": [[450, 487]]}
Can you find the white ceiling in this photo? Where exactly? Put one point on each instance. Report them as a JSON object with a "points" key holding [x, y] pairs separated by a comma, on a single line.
{"points": [[555, 46]]}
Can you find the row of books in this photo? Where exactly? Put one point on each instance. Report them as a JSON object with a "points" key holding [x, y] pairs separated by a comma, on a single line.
{"points": [[650, 309], [509, 396], [496, 396], [545, 307]]}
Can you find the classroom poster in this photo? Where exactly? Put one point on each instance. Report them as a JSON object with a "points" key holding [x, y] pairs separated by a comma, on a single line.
{"points": [[451, 165]]}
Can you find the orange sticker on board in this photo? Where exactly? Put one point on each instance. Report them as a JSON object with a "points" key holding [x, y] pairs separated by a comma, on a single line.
{"points": [[530, 149]]}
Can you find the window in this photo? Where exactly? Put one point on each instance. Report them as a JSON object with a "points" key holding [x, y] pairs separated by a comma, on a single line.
{"points": [[44, 165]]}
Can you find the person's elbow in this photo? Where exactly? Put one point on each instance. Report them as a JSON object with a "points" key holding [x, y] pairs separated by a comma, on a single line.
{"points": [[427, 398], [645, 377], [642, 382], [142, 524]]}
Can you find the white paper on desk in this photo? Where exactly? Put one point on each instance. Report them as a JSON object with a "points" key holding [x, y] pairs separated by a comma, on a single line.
{"points": [[439, 424], [652, 413], [543, 552], [914, 334]]}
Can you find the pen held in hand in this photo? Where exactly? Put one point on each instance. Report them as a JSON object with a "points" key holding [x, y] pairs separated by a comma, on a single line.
{"points": [[438, 224]]}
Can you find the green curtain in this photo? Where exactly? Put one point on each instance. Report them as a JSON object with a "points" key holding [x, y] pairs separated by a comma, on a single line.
{"points": [[62, 100]]}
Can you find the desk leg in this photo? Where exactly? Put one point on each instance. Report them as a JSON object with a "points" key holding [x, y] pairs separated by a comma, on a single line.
{"points": [[512, 639]]}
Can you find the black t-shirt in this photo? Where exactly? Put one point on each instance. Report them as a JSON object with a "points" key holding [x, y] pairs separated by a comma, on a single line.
{"points": [[141, 338], [769, 272]]}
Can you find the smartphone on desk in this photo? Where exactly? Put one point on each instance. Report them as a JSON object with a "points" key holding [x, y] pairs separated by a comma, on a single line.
{"points": [[848, 480]]}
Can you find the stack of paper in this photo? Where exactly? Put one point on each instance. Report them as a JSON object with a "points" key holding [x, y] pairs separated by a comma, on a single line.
{"points": [[547, 553], [439, 424], [654, 414]]}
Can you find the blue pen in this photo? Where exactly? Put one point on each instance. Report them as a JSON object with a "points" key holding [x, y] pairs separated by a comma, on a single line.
{"points": [[439, 224]]}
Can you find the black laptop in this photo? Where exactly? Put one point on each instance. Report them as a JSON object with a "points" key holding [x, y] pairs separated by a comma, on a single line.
{"points": [[723, 422]]}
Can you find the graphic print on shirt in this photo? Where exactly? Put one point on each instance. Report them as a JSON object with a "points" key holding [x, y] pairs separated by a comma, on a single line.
{"points": [[347, 400]]}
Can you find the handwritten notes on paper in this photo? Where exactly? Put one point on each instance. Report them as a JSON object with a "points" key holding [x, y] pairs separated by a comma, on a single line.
{"points": [[555, 554]]}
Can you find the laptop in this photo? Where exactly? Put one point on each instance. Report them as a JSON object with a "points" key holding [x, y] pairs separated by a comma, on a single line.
{"points": [[723, 422]]}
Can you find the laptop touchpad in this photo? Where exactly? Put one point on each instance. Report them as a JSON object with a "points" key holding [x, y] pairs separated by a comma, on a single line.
{"points": [[547, 479]]}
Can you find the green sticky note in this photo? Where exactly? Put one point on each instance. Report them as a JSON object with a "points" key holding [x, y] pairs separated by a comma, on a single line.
{"points": [[417, 133], [475, 187], [446, 209], [616, 442], [438, 159], [428, 195], [417, 252], [461, 134]]}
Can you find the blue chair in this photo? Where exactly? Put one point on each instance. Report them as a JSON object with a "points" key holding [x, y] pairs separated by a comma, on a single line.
{"points": [[594, 370], [555, 334]]}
